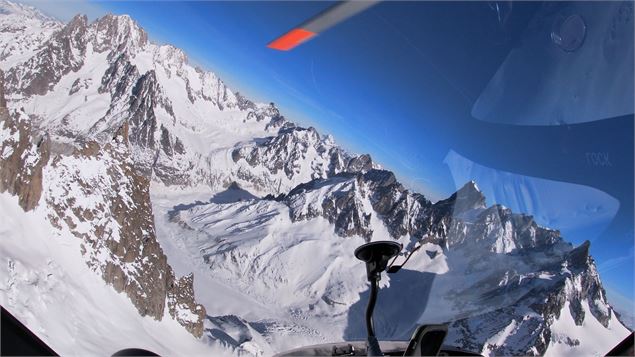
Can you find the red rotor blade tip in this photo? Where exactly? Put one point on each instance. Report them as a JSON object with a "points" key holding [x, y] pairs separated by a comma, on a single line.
{"points": [[291, 39]]}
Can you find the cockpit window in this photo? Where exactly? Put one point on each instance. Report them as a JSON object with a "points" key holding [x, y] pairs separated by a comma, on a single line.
{"points": [[262, 178]]}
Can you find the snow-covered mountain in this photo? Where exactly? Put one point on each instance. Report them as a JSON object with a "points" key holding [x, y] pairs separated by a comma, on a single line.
{"points": [[507, 285], [211, 212]]}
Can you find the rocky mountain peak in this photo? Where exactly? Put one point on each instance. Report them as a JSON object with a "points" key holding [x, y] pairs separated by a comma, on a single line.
{"points": [[172, 57], [76, 26], [23, 31], [361, 163], [146, 133], [118, 33], [62, 53], [379, 178], [469, 197], [579, 257], [338, 199], [73, 36], [244, 103], [27, 11]]}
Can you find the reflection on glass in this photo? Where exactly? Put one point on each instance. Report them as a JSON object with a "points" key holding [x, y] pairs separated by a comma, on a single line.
{"points": [[579, 212], [567, 69]]}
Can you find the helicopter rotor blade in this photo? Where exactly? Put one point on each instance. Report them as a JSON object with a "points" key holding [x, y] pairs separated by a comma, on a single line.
{"points": [[320, 23]]}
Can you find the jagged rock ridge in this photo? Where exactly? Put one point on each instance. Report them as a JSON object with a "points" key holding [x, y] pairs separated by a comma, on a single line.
{"points": [[106, 206]]}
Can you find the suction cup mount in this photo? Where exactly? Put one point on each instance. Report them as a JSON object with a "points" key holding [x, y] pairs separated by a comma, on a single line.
{"points": [[376, 255]]}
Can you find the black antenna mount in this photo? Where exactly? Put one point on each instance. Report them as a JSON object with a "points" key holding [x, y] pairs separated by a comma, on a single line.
{"points": [[376, 256]]}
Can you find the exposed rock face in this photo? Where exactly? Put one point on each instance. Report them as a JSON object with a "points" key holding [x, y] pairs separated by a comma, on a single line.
{"points": [[463, 218], [573, 282], [269, 112], [19, 41], [63, 53], [403, 212], [22, 170], [339, 199], [97, 194], [538, 272], [23, 154], [119, 77], [581, 286], [143, 102], [523, 275], [466, 199], [285, 152], [118, 34], [183, 308], [361, 163], [157, 150], [244, 103]]}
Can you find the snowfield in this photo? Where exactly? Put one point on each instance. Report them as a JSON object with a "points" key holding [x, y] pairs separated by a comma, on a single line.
{"points": [[252, 261], [589, 339]]}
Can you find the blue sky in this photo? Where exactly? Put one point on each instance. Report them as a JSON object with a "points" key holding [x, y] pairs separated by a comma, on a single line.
{"points": [[399, 82]]}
